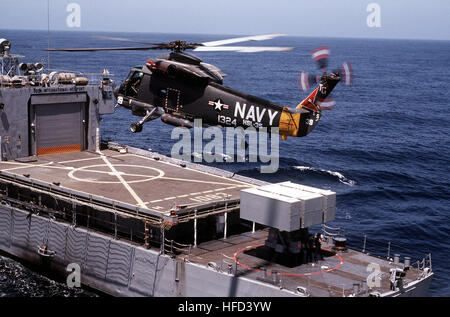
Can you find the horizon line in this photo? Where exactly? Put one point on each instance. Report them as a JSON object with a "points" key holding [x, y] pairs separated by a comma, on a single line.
{"points": [[239, 34]]}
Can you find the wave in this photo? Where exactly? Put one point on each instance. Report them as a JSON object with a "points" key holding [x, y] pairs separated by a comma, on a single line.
{"points": [[225, 157], [17, 280], [338, 175]]}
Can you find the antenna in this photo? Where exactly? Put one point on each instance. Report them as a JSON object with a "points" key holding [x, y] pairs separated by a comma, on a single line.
{"points": [[48, 33]]}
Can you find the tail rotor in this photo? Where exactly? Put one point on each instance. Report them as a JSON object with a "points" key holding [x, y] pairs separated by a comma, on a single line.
{"points": [[306, 80]]}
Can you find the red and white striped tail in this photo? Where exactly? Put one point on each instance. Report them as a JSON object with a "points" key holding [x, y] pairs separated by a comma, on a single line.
{"points": [[320, 53], [303, 81], [347, 73], [326, 104]]}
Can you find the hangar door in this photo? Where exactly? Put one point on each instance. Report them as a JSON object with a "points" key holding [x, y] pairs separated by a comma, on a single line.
{"points": [[58, 127]]}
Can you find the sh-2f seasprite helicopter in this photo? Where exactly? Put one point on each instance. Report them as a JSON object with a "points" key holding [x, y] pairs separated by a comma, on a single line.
{"points": [[178, 88]]}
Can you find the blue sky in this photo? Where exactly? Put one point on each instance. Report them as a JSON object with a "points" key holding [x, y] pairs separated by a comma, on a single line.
{"points": [[411, 19]]}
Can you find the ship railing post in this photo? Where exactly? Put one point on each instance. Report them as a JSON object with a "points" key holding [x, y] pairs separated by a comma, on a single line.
{"points": [[364, 246], [418, 268], [146, 235], [264, 273], [253, 227], [195, 228], [230, 268], [115, 226], [74, 214], [97, 140], [280, 280], [88, 216], [225, 226], [163, 238], [389, 250], [274, 277]]}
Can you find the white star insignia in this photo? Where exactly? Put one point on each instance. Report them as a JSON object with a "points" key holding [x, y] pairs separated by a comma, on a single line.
{"points": [[218, 105]]}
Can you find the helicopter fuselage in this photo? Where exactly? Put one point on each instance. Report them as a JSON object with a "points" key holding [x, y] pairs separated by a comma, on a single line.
{"points": [[179, 88]]}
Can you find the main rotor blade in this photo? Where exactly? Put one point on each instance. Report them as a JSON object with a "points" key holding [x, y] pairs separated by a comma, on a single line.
{"points": [[122, 40], [93, 49], [242, 49], [242, 39]]}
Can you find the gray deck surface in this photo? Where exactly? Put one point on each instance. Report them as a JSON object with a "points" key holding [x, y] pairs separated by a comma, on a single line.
{"points": [[334, 276], [129, 178], [158, 185]]}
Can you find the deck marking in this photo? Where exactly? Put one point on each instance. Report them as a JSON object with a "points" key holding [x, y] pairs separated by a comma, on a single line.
{"points": [[82, 169], [28, 165], [190, 194], [210, 197], [219, 189], [22, 165], [124, 183], [46, 181], [81, 160], [205, 182], [93, 158], [193, 170], [114, 172]]}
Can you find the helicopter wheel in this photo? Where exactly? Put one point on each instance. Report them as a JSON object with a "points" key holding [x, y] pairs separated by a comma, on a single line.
{"points": [[135, 127]]}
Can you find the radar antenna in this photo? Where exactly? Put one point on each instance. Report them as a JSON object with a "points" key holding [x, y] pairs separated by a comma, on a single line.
{"points": [[10, 62]]}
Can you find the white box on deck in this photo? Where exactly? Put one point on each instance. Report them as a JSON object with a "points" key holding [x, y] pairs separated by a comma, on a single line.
{"points": [[310, 201], [287, 206], [270, 209], [329, 199]]}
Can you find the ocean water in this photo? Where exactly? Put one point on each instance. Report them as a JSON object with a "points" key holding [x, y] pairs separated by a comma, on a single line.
{"points": [[384, 149]]}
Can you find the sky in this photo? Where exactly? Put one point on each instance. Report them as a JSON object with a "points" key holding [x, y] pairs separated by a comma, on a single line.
{"points": [[402, 19]]}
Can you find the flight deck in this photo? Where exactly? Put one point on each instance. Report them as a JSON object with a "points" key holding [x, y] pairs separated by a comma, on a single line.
{"points": [[135, 180]]}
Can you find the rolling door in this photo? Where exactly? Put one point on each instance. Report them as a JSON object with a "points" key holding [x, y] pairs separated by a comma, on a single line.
{"points": [[59, 128]]}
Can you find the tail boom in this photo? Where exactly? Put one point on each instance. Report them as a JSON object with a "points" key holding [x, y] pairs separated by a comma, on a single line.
{"points": [[303, 119]]}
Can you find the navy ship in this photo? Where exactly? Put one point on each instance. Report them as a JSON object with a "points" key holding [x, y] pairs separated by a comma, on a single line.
{"points": [[131, 222]]}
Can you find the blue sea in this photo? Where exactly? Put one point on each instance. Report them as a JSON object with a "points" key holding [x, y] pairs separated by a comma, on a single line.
{"points": [[384, 149]]}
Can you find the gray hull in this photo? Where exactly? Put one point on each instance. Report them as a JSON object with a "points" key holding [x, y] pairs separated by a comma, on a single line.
{"points": [[120, 268], [116, 267]]}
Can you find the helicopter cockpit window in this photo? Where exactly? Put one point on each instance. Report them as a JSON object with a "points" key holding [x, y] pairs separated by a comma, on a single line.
{"points": [[134, 80]]}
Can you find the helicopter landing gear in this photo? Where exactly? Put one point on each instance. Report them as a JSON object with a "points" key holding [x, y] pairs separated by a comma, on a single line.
{"points": [[137, 127]]}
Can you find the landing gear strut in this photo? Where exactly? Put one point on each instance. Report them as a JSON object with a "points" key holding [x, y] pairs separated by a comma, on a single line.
{"points": [[137, 127]]}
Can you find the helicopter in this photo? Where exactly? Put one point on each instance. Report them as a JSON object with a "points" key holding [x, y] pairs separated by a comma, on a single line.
{"points": [[178, 87]]}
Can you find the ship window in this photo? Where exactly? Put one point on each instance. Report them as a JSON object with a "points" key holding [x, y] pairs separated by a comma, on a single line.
{"points": [[134, 80]]}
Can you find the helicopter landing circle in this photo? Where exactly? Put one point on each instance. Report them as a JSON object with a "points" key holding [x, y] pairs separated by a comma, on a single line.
{"points": [[146, 173]]}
